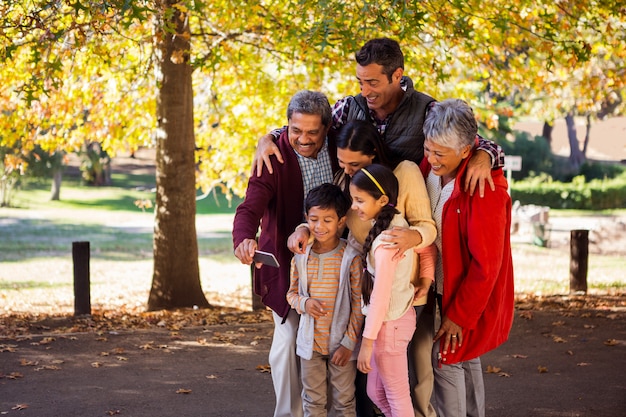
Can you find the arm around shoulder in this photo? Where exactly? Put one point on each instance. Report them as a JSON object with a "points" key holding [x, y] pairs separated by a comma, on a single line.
{"points": [[266, 147]]}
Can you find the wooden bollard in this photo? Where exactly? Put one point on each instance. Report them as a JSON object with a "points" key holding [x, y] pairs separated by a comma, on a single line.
{"points": [[82, 292], [579, 257]]}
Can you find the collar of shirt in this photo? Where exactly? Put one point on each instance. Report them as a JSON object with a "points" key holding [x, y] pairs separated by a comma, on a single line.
{"points": [[316, 171]]}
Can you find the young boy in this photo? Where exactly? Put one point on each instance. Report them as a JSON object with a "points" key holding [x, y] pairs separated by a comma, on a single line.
{"points": [[326, 291]]}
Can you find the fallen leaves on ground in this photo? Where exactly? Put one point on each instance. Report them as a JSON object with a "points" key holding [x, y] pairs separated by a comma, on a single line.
{"points": [[528, 315], [8, 348], [20, 407], [496, 370], [183, 391], [147, 346], [570, 303], [47, 368], [542, 369], [611, 342], [102, 322], [12, 375], [493, 369], [264, 368]]}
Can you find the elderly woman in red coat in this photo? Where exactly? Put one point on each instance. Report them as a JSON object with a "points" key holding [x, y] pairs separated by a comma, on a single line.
{"points": [[474, 274]]}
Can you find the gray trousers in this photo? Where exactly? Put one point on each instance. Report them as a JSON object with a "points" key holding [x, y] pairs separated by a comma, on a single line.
{"points": [[459, 388], [320, 379]]}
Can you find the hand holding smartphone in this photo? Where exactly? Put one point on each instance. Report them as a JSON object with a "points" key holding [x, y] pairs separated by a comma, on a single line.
{"points": [[265, 258]]}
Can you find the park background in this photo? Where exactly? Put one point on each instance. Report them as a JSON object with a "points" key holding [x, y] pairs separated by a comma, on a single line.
{"points": [[131, 125]]}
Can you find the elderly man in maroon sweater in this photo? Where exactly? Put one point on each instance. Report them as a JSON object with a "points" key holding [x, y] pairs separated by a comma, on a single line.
{"points": [[276, 202]]}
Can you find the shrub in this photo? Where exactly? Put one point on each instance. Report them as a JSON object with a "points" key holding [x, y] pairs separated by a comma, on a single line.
{"points": [[601, 170], [578, 194]]}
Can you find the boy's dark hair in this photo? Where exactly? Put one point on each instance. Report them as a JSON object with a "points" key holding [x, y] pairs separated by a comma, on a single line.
{"points": [[327, 196], [382, 51]]}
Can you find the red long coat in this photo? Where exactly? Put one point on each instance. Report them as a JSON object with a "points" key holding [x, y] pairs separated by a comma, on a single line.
{"points": [[478, 290]]}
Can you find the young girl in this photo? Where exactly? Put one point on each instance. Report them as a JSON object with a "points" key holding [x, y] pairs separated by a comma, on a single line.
{"points": [[387, 293]]}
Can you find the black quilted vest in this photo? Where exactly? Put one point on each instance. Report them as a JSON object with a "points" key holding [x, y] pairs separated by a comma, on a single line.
{"points": [[404, 134]]}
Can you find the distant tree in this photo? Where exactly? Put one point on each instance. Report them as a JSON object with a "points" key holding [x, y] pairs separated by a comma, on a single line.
{"points": [[593, 88]]}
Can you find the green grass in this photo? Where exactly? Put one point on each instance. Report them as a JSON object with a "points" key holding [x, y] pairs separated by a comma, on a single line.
{"points": [[546, 271], [43, 237], [26, 285], [576, 213], [23, 238], [107, 217], [120, 232], [120, 196]]}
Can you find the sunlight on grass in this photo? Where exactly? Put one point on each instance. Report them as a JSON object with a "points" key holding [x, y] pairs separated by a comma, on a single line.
{"points": [[574, 213], [121, 196], [542, 271]]}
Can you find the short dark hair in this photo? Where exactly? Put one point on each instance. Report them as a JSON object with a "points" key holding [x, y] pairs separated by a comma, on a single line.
{"points": [[328, 196], [310, 102], [382, 51]]}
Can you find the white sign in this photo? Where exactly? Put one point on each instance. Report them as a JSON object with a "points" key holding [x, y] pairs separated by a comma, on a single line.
{"points": [[512, 163]]}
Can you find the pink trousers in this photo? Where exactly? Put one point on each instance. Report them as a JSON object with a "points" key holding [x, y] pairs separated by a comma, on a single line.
{"points": [[388, 381]]}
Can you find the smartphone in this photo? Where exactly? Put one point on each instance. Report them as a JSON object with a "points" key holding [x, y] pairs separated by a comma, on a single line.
{"points": [[265, 258]]}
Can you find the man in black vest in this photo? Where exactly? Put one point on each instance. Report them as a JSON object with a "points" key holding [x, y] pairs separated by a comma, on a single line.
{"points": [[389, 100]]}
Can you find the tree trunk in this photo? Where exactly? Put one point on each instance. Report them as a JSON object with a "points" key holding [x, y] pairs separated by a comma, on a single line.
{"points": [[547, 132], [587, 134], [176, 279], [576, 157], [57, 176]]}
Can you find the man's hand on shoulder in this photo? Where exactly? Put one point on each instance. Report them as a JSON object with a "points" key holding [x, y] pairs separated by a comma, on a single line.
{"points": [[264, 149], [479, 171], [298, 240]]}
